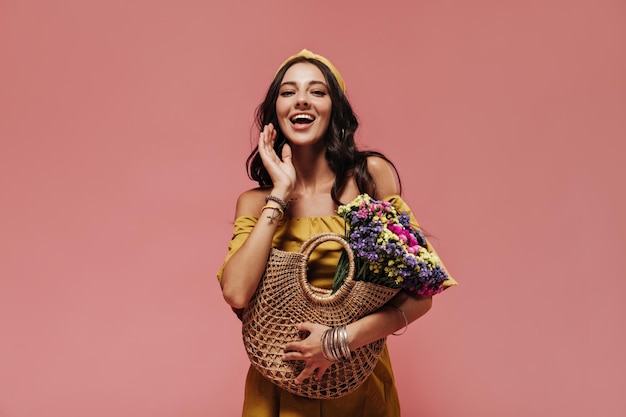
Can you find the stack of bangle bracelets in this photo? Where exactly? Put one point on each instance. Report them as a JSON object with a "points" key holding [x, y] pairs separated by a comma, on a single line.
{"points": [[334, 344]]}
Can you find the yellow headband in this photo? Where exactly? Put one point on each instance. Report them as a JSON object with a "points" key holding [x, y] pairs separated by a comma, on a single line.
{"points": [[305, 53]]}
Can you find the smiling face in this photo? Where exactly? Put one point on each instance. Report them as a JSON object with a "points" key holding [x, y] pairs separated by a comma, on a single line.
{"points": [[303, 105]]}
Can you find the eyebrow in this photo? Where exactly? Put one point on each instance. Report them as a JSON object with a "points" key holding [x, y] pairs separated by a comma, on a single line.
{"points": [[293, 83]]}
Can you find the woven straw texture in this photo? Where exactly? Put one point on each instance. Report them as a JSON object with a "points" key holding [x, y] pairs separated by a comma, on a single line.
{"points": [[285, 298]]}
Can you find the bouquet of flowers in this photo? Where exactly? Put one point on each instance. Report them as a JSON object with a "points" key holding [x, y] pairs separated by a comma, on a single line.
{"points": [[388, 251]]}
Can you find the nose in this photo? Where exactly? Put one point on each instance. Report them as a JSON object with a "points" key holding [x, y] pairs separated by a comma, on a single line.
{"points": [[302, 99]]}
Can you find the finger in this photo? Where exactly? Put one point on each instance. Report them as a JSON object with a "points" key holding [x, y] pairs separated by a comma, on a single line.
{"points": [[267, 138], [266, 144], [262, 140], [293, 356], [320, 371], [272, 131], [292, 347], [304, 375], [304, 326], [286, 154], [270, 134], [266, 130]]}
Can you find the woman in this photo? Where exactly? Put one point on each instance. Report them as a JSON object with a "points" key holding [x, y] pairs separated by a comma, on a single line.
{"points": [[307, 164]]}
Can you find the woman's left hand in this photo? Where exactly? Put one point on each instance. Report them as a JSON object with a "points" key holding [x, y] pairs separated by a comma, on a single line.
{"points": [[308, 350]]}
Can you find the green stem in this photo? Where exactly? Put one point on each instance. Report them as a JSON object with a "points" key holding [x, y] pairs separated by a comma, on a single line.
{"points": [[340, 272]]}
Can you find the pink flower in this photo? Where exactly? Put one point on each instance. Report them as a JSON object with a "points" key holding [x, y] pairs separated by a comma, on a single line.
{"points": [[362, 213]]}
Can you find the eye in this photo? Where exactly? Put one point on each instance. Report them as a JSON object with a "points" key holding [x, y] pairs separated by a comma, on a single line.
{"points": [[286, 93], [318, 93]]}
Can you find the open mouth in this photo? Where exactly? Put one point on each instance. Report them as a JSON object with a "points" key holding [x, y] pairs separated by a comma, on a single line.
{"points": [[302, 119]]}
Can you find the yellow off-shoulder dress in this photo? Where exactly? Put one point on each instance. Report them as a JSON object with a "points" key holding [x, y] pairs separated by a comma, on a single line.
{"points": [[377, 396]]}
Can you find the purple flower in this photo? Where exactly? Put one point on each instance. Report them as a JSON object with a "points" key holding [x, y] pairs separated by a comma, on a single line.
{"points": [[397, 259]]}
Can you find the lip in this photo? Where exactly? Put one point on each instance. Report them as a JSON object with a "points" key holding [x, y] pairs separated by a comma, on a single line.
{"points": [[302, 126]]}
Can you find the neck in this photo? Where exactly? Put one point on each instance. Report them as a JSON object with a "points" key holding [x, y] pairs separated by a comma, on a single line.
{"points": [[313, 175]]}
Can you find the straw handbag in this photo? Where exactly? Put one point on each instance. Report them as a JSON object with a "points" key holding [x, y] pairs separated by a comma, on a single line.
{"points": [[285, 297]]}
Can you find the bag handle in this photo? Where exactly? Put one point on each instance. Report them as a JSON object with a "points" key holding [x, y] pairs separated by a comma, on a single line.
{"points": [[324, 297]]}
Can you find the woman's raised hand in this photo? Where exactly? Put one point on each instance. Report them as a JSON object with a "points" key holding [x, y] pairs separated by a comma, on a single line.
{"points": [[282, 172]]}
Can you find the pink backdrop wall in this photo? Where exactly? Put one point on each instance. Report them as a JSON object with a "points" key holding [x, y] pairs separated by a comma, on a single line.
{"points": [[124, 126]]}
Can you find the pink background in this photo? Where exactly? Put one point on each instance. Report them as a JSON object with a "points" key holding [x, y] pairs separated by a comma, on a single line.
{"points": [[124, 127]]}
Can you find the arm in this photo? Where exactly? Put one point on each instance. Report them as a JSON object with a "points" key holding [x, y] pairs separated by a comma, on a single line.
{"points": [[242, 273], [370, 328], [388, 319]]}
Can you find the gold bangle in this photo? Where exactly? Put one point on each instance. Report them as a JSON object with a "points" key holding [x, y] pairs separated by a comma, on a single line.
{"points": [[274, 216]]}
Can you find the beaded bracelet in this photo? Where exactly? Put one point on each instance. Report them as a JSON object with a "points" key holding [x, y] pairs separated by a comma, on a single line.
{"points": [[406, 321], [279, 200], [273, 217]]}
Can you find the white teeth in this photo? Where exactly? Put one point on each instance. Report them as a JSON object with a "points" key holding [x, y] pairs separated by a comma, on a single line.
{"points": [[302, 116]]}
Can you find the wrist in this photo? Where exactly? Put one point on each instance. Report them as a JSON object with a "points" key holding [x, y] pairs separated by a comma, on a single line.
{"points": [[277, 212], [279, 199], [282, 193]]}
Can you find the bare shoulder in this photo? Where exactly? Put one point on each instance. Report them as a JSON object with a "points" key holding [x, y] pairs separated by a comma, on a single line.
{"points": [[384, 177], [251, 202]]}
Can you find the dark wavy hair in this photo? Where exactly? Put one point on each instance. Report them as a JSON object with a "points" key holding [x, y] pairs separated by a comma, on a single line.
{"points": [[342, 154]]}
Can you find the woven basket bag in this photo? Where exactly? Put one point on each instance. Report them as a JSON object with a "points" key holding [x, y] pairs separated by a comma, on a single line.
{"points": [[285, 298]]}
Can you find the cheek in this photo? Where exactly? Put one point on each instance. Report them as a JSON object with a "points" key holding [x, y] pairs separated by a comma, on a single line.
{"points": [[282, 124], [282, 112], [328, 108], [281, 107], [328, 113]]}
